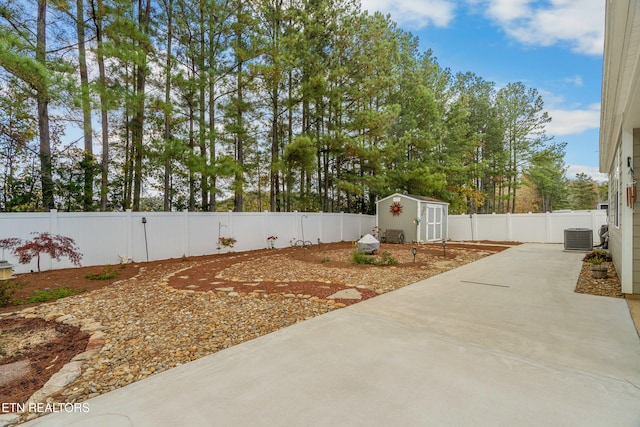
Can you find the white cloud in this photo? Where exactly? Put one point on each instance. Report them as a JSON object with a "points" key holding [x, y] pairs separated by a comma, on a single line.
{"points": [[573, 122], [414, 14], [578, 24], [508, 10], [592, 171], [575, 80]]}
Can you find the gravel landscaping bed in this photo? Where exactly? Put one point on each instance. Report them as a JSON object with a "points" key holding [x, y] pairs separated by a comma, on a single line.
{"points": [[176, 311]]}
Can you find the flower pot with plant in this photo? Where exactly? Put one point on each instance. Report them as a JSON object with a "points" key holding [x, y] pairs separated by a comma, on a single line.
{"points": [[599, 271], [598, 260], [226, 242]]}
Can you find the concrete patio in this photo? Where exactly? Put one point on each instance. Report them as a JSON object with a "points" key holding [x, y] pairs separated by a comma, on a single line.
{"points": [[500, 342]]}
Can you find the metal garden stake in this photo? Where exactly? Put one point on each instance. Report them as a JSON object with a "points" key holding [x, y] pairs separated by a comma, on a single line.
{"points": [[414, 251], [146, 246], [444, 247]]}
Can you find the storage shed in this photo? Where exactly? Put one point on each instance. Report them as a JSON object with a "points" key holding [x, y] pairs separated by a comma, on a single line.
{"points": [[423, 219]]}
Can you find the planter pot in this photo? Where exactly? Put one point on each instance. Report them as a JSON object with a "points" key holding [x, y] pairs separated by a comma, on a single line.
{"points": [[599, 271]]}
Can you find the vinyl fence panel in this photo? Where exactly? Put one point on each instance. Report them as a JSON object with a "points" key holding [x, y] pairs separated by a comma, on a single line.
{"points": [[534, 228], [106, 237]]}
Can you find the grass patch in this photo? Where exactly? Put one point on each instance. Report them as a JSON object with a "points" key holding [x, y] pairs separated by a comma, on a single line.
{"points": [[50, 295], [325, 260]]}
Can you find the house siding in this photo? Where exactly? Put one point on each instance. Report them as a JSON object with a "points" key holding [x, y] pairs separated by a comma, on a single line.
{"points": [[636, 214], [615, 231], [619, 121]]}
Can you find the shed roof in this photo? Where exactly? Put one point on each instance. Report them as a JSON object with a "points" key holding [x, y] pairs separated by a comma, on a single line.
{"points": [[415, 197]]}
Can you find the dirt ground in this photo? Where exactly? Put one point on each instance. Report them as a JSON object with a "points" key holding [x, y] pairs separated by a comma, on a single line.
{"points": [[31, 350]]}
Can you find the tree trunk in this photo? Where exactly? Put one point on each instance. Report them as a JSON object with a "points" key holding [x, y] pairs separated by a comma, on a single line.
{"points": [[166, 202], [202, 83], [212, 111], [97, 13], [87, 163], [192, 179], [138, 117], [43, 111], [275, 148], [239, 175]]}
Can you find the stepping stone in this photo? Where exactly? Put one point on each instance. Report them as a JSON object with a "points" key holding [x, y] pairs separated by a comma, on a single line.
{"points": [[12, 371], [192, 286], [346, 294], [251, 284], [215, 283], [183, 277], [230, 289], [281, 285]]}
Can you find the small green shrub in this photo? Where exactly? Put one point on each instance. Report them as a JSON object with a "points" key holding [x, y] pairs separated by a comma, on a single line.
{"points": [[7, 289], [325, 260], [108, 273], [358, 257], [387, 259], [50, 295], [597, 256]]}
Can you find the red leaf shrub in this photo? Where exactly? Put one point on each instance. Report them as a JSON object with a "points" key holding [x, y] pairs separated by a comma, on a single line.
{"points": [[54, 245], [9, 243]]}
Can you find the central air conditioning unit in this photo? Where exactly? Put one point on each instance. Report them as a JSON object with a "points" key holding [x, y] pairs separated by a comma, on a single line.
{"points": [[578, 239]]}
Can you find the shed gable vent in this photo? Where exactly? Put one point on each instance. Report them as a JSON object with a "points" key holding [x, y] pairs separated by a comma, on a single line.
{"points": [[578, 239]]}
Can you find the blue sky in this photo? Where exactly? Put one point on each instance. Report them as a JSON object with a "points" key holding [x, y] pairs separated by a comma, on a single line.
{"points": [[554, 46]]}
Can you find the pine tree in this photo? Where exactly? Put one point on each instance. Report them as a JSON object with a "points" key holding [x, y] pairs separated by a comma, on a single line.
{"points": [[521, 112]]}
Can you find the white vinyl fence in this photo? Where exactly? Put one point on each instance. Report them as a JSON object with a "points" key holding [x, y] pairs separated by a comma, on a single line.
{"points": [[104, 237], [532, 227]]}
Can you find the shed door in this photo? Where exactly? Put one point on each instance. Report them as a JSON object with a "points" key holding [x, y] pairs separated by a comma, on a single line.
{"points": [[435, 216]]}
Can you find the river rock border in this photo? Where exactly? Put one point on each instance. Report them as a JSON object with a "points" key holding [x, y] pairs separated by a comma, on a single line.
{"points": [[71, 370]]}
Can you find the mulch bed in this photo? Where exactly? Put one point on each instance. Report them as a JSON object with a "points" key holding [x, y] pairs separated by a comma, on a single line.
{"points": [[69, 277], [607, 287], [44, 358]]}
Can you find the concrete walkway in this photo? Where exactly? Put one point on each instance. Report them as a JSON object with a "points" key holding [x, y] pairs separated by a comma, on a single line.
{"points": [[501, 342]]}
